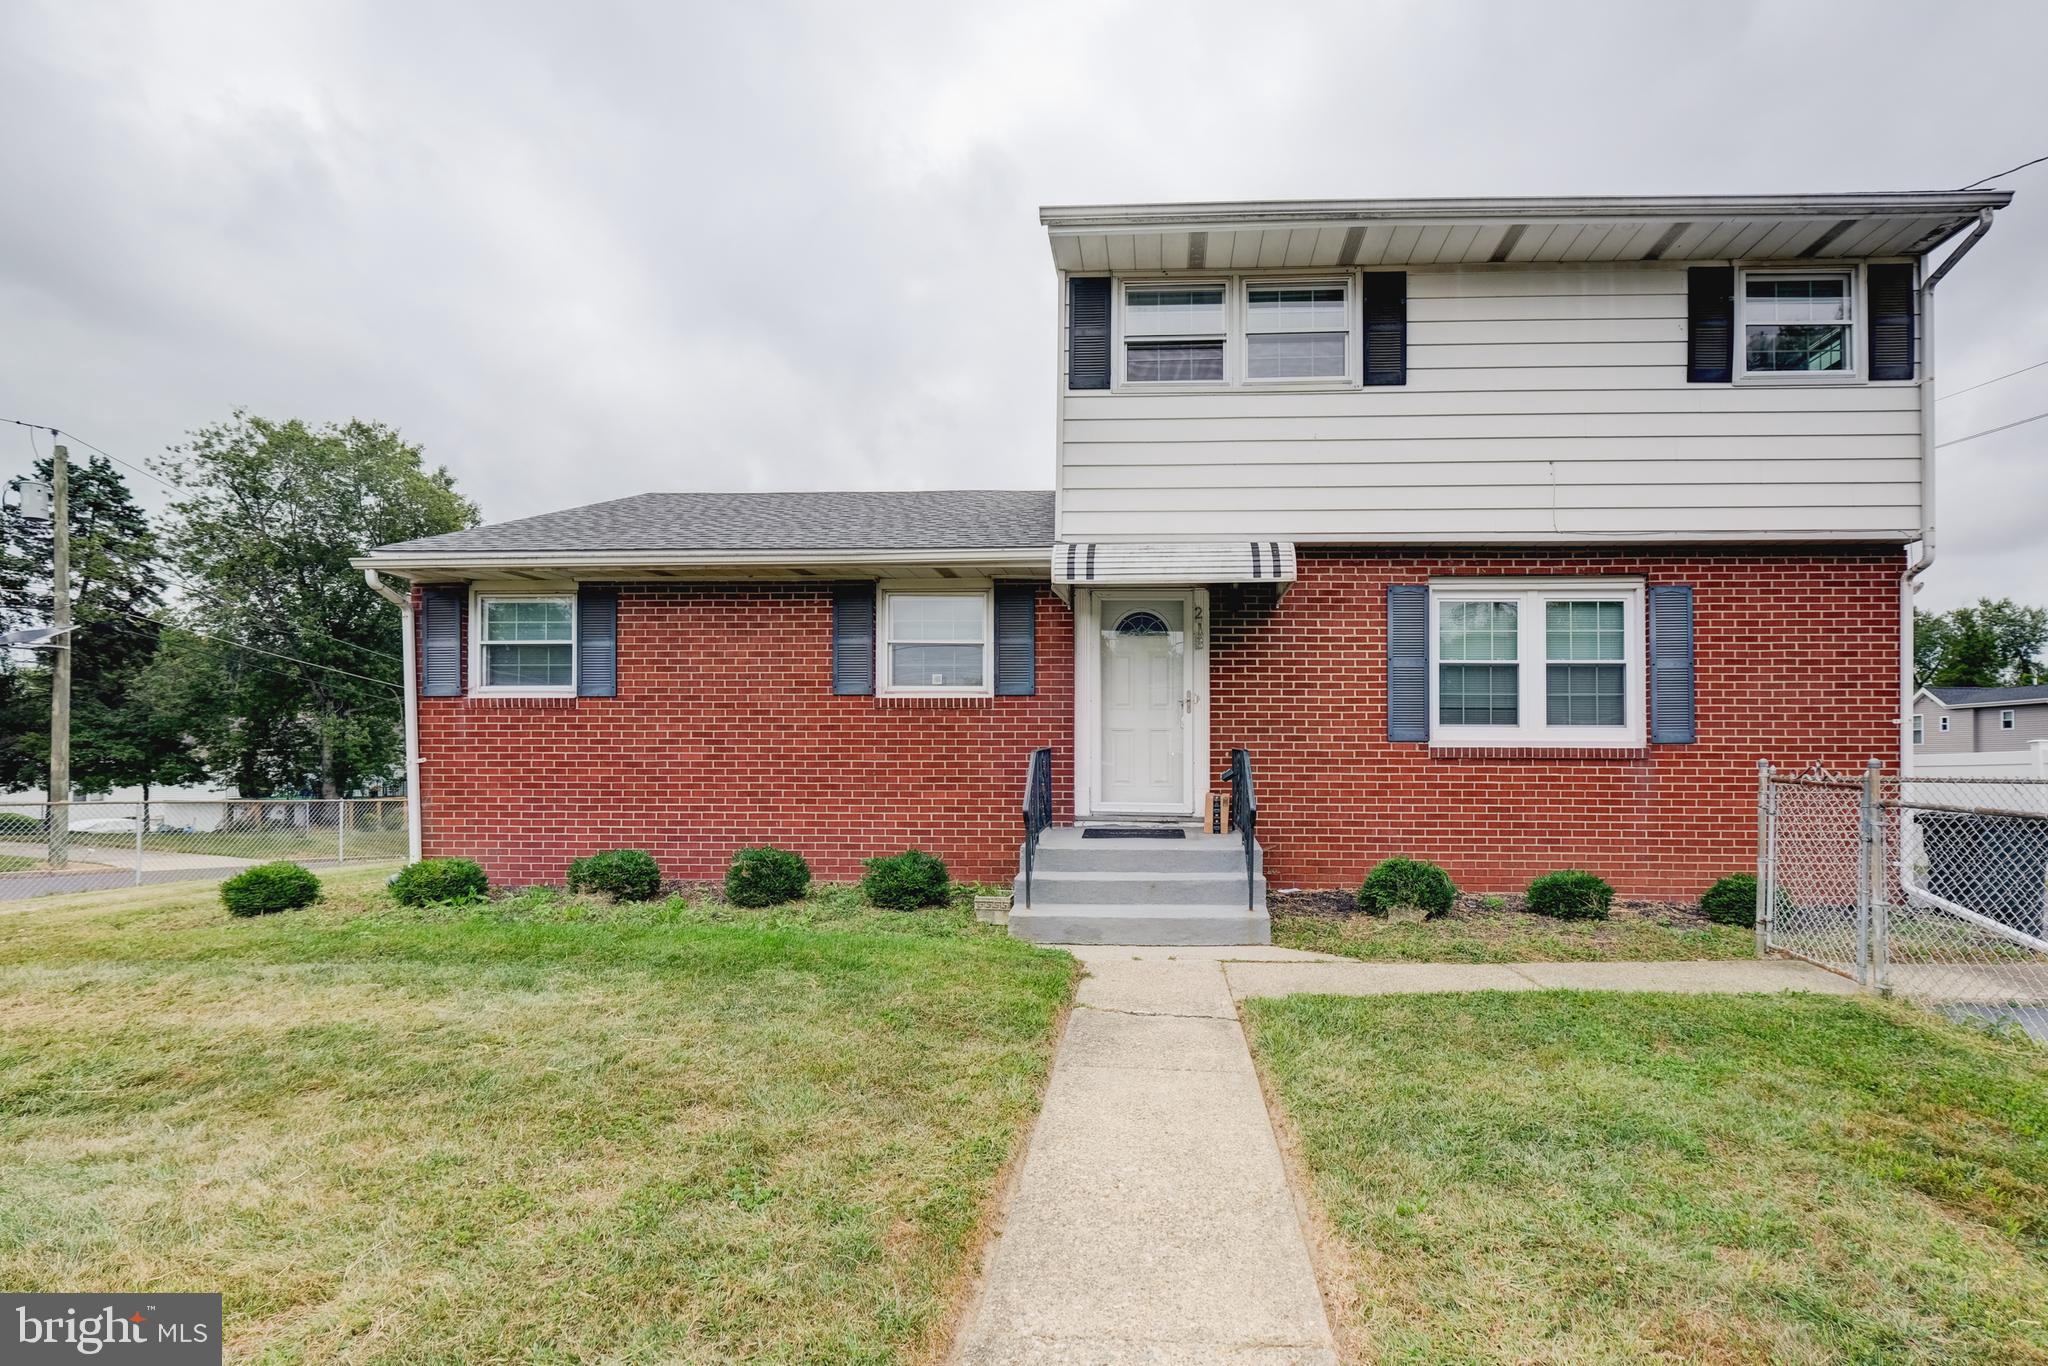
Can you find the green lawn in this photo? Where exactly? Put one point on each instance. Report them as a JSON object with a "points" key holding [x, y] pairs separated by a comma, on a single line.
{"points": [[1469, 935], [1562, 1176], [535, 1130]]}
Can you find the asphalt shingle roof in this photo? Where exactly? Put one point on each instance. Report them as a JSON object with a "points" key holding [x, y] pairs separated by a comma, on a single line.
{"points": [[953, 519], [1990, 697]]}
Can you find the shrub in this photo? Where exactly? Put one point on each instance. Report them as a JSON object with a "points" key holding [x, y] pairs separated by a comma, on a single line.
{"points": [[906, 881], [269, 887], [1400, 882], [1731, 901], [19, 824], [440, 881], [766, 877], [621, 874], [1571, 895]]}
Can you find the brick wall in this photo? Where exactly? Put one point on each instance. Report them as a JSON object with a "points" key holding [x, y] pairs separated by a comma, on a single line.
{"points": [[1797, 660], [726, 732]]}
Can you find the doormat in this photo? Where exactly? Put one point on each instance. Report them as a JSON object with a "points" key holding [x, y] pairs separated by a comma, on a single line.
{"points": [[1134, 832]]}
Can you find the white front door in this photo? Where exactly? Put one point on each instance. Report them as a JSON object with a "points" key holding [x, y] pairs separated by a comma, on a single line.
{"points": [[1147, 702]]}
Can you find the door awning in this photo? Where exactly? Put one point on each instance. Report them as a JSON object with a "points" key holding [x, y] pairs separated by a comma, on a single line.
{"points": [[1090, 563]]}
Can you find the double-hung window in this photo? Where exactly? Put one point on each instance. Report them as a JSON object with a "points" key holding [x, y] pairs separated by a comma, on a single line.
{"points": [[1174, 333], [1919, 730], [1297, 331], [2007, 719], [525, 643], [1799, 323], [938, 644], [1554, 664]]}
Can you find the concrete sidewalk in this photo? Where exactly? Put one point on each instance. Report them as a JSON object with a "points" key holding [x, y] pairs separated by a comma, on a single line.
{"points": [[1151, 1221]]}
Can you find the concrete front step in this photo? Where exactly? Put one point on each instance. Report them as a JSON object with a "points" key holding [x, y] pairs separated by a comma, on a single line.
{"points": [[1143, 889], [1074, 923], [1065, 850]]}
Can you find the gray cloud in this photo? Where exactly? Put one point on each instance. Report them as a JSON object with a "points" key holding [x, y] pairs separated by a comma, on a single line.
{"points": [[579, 251]]}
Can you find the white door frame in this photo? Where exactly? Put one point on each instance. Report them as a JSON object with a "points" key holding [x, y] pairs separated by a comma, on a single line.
{"points": [[1088, 698]]}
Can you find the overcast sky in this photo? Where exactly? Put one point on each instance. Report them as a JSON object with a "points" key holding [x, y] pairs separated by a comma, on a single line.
{"points": [[583, 250]]}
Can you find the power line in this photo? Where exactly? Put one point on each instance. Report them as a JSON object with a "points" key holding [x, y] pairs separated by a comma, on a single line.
{"points": [[1995, 378], [2008, 171], [2004, 427], [35, 427], [258, 649]]}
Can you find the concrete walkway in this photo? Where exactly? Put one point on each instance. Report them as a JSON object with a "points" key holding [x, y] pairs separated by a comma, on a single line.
{"points": [[1151, 1220]]}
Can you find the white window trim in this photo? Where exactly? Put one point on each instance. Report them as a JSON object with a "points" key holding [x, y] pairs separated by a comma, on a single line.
{"points": [[1852, 374], [477, 686], [885, 683], [1919, 730], [1236, 350], [1944, 725], [1534, 732], [2007, 720]]}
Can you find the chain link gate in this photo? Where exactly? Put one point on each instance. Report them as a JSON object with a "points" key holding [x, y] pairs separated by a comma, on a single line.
{"points": [[1931, 888]]}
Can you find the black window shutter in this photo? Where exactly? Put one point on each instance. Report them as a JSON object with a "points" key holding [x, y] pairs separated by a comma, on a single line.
{"points": [[1407, 662], [1386, 326], [1016, 639], [853, 639], [597, 640], [1088, 333], [1710, 324], [1891, 322], [441, 609], [1673, 708]]}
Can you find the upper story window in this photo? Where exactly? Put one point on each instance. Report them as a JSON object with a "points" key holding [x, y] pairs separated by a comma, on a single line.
{"points": [[1297, 331], [1560, 664], [1174, 334], [1944, 725], [1798, 323], [937, 643], [2006, 720], [526, 643]]}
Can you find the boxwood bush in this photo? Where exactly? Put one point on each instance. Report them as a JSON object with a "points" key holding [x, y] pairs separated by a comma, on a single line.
{"points": [[1731, 901], [1571, 894], [906, 881], [440, 881], [621, 874], [766, 876], [1400, 882], [268, 888]]}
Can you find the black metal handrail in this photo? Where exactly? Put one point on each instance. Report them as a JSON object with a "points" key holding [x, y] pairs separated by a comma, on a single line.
{"points": [[1244, 818], [1037, 809]]}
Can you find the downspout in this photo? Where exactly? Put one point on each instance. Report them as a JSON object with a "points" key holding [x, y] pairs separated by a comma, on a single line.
{"points": [[412, 711], [1909, 581]]}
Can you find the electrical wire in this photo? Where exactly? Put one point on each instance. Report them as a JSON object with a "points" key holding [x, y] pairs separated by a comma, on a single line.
{"points": [[2002, 427], [258, 649], [1994, 379], [2008, 171]]}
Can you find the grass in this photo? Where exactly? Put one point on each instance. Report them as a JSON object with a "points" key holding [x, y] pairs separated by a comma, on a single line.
{"points": [[543, 1129], [1560, 1176], [14, 863], [1473, 933]]}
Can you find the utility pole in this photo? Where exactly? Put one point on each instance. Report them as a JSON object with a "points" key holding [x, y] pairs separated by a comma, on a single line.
{"points": [[60, 664]]}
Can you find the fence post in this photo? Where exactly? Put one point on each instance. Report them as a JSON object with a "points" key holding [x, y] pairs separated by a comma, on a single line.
{"points": [[141, 820], [1766, 860], [1880, 880], [341, 830], [1868, 853]]}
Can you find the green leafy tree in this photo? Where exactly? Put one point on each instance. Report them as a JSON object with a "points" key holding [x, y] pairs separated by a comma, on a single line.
{"points": [[269, 517], [1992, 644], [116, 601]]}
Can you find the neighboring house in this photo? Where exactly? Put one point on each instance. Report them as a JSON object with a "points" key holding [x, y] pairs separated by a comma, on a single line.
{"points": [[1979, 720], [1506, 533]]}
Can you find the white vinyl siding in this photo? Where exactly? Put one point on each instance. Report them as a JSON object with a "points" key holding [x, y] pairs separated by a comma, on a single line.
{"points": [[1541, 404]]}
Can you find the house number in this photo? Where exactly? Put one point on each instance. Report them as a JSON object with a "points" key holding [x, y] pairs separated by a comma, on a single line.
{"points": [[1201, 627]]}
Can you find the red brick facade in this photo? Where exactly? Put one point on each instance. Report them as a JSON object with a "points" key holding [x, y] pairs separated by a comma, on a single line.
{"points": [[726, 732], [1797, 659]]}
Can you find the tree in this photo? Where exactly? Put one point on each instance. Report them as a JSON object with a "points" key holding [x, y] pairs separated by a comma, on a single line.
{"points": [[117, 595], [271, 514], [1996, 643]]}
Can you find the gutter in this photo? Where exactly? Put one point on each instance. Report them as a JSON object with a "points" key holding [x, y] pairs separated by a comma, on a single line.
{"points": [[1909, 580], [412, 711]]}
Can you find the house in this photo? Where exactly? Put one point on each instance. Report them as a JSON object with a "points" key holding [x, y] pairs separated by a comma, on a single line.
{"points": [[1510, 534], [1979, 720]]}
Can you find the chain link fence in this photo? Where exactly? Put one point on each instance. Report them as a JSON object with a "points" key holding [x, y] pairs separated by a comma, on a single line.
{"points": [[53, 847], [1934, 889]]}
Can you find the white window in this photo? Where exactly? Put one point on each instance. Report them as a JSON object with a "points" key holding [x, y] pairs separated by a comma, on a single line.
{"points": [[2005, 719], [1919, 730], [938, 643], [1798, 323], [1174, 333], [1297, 330], [525, 643], [1944, 725], [1557, 663]]}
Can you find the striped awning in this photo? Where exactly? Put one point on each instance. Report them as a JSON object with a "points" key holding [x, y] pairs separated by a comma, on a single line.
{"points": [[1099, 562]]}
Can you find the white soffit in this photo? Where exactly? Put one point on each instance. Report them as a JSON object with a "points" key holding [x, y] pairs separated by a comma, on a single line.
{"points": [[1094, 563]]}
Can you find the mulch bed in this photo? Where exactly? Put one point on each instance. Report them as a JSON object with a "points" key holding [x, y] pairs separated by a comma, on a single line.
{"points": [[1340, 904]]}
